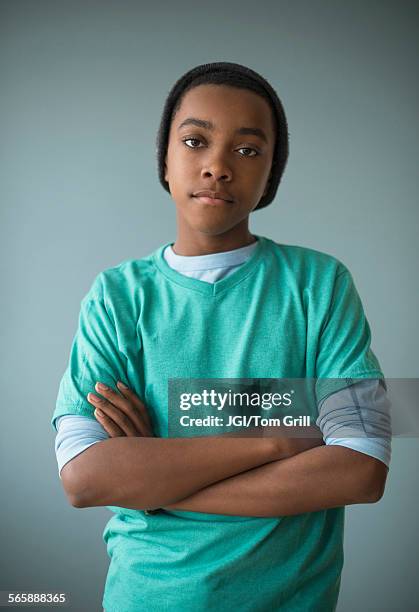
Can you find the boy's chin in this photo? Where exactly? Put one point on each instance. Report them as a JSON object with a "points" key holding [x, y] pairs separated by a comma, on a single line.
{"points": [[213, 229]]}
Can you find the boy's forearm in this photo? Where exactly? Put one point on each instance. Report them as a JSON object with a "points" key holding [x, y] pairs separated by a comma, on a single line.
{"points": [[316, 479], [146, 473]]}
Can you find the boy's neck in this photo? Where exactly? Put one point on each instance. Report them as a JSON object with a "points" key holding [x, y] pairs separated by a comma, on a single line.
{"points": [[198, 243]]}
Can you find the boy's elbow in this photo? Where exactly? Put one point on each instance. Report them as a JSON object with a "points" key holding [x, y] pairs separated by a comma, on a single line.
{"points": [[76, 502], [75, 490], [377, 493], [376, 481]]}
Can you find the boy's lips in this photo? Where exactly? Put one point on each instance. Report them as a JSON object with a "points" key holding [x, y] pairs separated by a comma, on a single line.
{"points": [[211, 201], [216, 196]]}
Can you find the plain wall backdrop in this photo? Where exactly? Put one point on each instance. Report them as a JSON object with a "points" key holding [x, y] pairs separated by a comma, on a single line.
{"points": [[82, 91]]}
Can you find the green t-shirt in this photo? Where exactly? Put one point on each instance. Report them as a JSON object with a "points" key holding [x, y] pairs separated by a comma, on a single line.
{"points": [[287, 312]]}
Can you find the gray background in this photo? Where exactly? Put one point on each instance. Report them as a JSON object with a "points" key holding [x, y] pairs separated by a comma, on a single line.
{"points": [[82, 89]]}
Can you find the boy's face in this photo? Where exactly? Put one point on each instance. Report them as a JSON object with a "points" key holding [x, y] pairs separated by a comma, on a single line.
{"points": [[219, 159]]}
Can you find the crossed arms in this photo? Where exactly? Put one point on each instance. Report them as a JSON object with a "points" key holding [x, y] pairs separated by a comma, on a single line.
{"points": [[260, 477]]}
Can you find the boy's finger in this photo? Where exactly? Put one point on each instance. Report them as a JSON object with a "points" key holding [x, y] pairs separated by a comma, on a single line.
{"points": [[131, 395], [110, 426], [124, 404], [118, 416]]}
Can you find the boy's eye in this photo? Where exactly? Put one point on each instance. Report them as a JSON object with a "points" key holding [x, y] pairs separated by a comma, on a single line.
{"points": [[185, 140], [249, 149]]}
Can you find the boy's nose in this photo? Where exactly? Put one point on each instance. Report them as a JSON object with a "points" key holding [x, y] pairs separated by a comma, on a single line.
{"points": [[219, 172]]}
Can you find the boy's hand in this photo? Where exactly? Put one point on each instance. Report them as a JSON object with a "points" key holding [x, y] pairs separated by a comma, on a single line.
{"points": [[122, 415]]}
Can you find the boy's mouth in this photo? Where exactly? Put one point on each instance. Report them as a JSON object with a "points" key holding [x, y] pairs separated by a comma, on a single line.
{"points": [[213, 197], [213, 201]]}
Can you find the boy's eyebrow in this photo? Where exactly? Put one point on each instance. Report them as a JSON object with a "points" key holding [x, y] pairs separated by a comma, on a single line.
{"points": [[210, 126]]}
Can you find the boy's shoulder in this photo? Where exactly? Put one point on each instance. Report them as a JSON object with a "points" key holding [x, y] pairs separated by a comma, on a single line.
{"points": [[306, 259], [122, 277]]}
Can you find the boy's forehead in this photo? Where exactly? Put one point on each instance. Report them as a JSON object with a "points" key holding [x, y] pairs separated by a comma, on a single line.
{"points": [[225, 104]]}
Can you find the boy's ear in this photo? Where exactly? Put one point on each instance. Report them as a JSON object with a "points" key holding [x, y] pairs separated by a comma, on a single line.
{"points": [[267, 187], [267, 184]]}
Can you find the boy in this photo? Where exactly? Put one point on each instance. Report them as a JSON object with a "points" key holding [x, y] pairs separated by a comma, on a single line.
{"points": [[198, 521]]}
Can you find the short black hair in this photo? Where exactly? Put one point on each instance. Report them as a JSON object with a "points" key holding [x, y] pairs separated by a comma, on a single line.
{"points": [[233, 75]]}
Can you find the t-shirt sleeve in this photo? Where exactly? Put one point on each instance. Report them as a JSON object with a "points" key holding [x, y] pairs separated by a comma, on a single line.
{"points": [[359, 417], [75, 435], [95, 356], [344, 352]]}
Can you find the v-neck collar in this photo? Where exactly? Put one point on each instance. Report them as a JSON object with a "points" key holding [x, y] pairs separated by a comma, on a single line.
{"points": [[203, 286]]}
